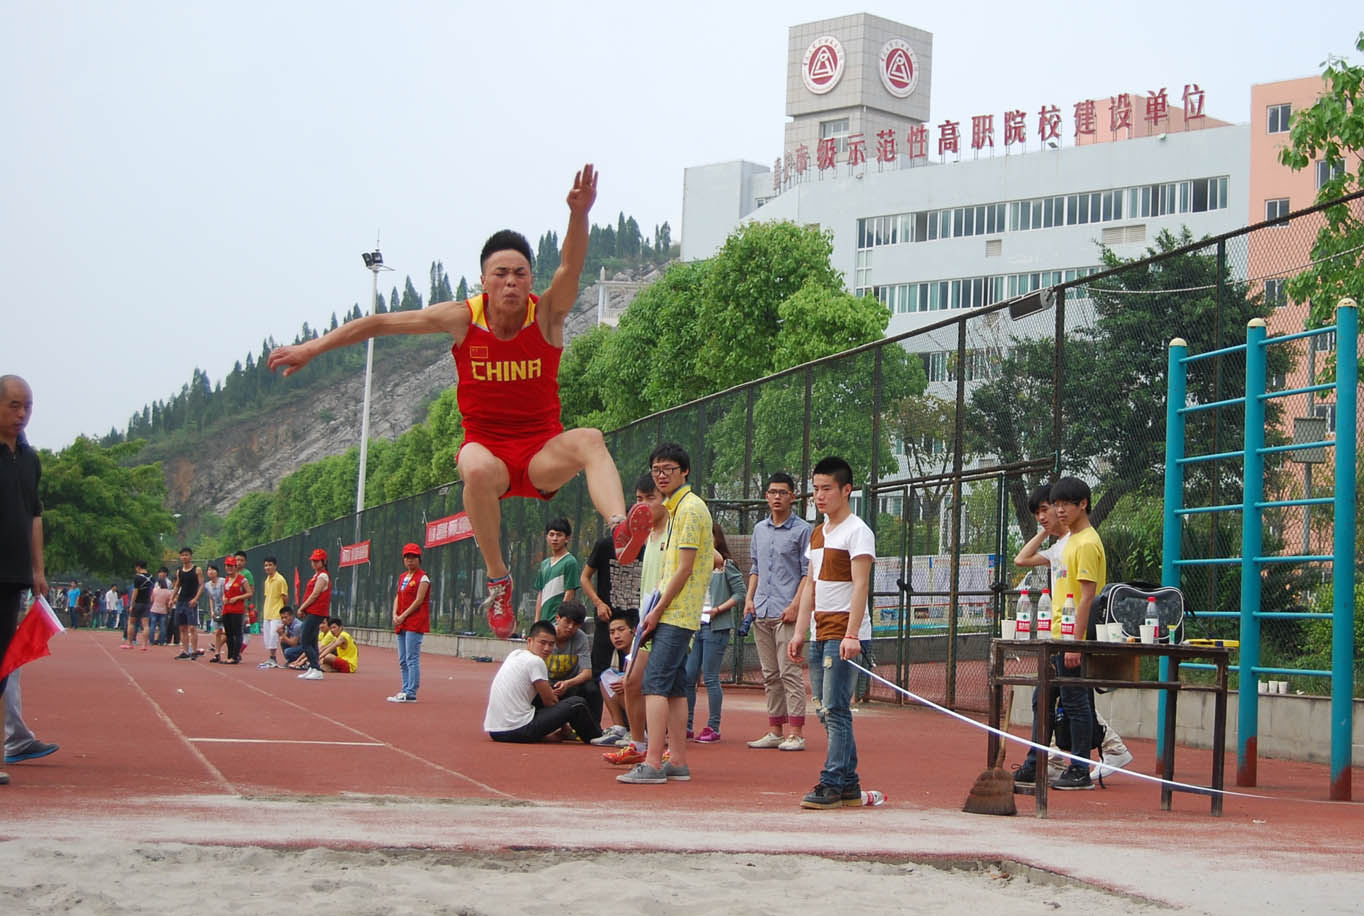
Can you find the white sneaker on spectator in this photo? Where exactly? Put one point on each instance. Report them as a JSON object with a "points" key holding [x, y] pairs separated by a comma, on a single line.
{"points": [[398, 697], [771, 739], [312, 674], [609, 737], [792, 743], [1110, 763]]}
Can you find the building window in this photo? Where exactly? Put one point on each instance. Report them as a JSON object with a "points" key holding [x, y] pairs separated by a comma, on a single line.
{"points": [[1327, 172], [1324, 343], [1274, 209], [837, 130], [935, 365], [1278, 118], [1274, 293], [1328, 412]]}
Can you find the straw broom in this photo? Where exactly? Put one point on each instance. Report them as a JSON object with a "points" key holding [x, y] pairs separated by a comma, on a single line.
{"points": [[993, 792]]}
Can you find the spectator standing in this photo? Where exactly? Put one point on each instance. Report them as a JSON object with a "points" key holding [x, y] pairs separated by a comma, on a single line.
{"points": [[21, 514], [833, 608], [559, 572], [189, 585], [727, 591], [776, 576], [236, 592], [412, 621], [138, 611], [276, 596], [314, 610], [160, 609], [111, 607], [73, 603]]}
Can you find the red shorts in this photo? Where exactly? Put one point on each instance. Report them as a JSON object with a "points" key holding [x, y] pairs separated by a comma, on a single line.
{"points": [[338, 664], [516, 455]]}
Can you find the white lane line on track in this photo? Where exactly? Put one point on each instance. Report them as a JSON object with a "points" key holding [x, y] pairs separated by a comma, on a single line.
{"points": [[175, 729], [284, 741], [379, 741]]}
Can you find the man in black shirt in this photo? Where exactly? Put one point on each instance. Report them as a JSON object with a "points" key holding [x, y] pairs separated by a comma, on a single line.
{"points": [[21, 514], [139, 606]]}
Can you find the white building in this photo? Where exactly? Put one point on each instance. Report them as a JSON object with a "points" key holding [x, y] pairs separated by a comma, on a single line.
{"points": [[927, 229]]}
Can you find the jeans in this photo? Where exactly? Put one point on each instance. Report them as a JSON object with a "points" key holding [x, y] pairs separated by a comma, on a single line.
{"points": [[707, 652], [158, 629], [831, 682], [1076, 701], [311, 624], [410, 661]]}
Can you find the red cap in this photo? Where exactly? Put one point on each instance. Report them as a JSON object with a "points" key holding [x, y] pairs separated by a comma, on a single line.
{"points": [[319, 554], [411, 550], [229, 562]]}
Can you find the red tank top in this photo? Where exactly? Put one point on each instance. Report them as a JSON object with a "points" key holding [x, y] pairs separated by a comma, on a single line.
{"points": [[323, 605], [235, 587], [508, 389], [408, 583]]}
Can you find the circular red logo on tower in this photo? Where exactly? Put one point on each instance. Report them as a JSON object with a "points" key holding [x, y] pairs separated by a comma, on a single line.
{"points": [[899, 68], [823, 64]]}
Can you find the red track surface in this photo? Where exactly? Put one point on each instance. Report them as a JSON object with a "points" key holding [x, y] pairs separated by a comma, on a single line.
{"points": [[136, 727]]}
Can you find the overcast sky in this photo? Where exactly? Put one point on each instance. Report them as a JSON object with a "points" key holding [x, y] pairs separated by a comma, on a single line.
{"points": [[187, 179]]}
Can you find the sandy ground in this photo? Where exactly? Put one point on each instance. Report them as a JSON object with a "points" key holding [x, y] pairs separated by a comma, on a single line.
{"points": [[85, 876], [389, 856]]}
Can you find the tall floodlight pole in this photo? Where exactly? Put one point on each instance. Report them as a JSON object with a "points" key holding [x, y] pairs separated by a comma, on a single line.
{"points": [[374, 262]]}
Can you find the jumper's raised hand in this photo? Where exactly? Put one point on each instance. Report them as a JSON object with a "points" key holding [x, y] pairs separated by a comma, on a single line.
{"points": [[584, 192]]}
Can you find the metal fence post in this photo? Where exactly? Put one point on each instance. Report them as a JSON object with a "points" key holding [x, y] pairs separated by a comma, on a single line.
{"points": [[1252, 544], [1343, 569], [1172, 538]]}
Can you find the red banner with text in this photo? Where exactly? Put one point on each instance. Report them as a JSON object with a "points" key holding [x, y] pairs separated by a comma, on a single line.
{"points": [[448, 530], [354, 554]]}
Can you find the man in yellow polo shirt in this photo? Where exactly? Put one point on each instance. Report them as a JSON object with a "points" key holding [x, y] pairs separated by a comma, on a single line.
{"points": [[675, 618], [276, 596]]}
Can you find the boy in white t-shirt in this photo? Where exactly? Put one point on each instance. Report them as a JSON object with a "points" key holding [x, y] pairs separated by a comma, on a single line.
{"points": [[842, 552], [1114, 752], [522, 707]]}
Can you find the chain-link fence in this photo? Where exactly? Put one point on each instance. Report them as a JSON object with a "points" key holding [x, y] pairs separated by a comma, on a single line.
{"points": [[948, 427]]}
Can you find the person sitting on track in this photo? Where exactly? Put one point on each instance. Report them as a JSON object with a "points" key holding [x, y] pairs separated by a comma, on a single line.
{"points": [[522, 706], [339, 653], [291, 638]]}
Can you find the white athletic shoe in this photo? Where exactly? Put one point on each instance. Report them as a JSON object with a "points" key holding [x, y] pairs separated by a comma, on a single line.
{"points": [[313, 674], [401, 697], [1110, 763]]}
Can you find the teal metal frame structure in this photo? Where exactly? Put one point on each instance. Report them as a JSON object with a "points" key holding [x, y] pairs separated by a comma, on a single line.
{"points": [[1252, 506]]}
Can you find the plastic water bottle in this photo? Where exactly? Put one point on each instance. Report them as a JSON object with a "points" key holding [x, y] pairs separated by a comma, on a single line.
{"points": [[1044, 615], [1153, 615], [1023, 615], [1068, 618]]}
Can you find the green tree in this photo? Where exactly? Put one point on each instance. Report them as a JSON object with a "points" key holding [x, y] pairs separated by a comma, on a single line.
{"points": [[581, 391], [100, 511], [412, 300], [1329, 135], [1118, 439], [759, 267], [462, 291], [440, 284], [250, 522]]}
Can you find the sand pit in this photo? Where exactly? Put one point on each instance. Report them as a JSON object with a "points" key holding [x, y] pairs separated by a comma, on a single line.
{"points": [[88, 877]]}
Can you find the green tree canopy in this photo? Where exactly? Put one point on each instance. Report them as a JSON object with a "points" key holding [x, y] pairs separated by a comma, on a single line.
{"points": [[1329, 135], [100, 512]]}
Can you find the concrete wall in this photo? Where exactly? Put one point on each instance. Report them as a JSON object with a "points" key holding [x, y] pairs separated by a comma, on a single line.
{"points": [[1291, 727]]}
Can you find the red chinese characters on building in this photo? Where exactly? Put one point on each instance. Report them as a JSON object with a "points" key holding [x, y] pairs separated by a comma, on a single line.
{"points": [[1193, 102], [1049, 123], [949, 137], [802, 159], [917, 141], [885, 145], [827, 151], [857, 149], [1086, 121], [982, 131], [1015, 127], [1120, 112], [1157, 108]]}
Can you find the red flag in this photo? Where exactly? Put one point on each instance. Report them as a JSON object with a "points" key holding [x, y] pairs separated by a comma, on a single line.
{"points": [[297, 597], [30, 639]]}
